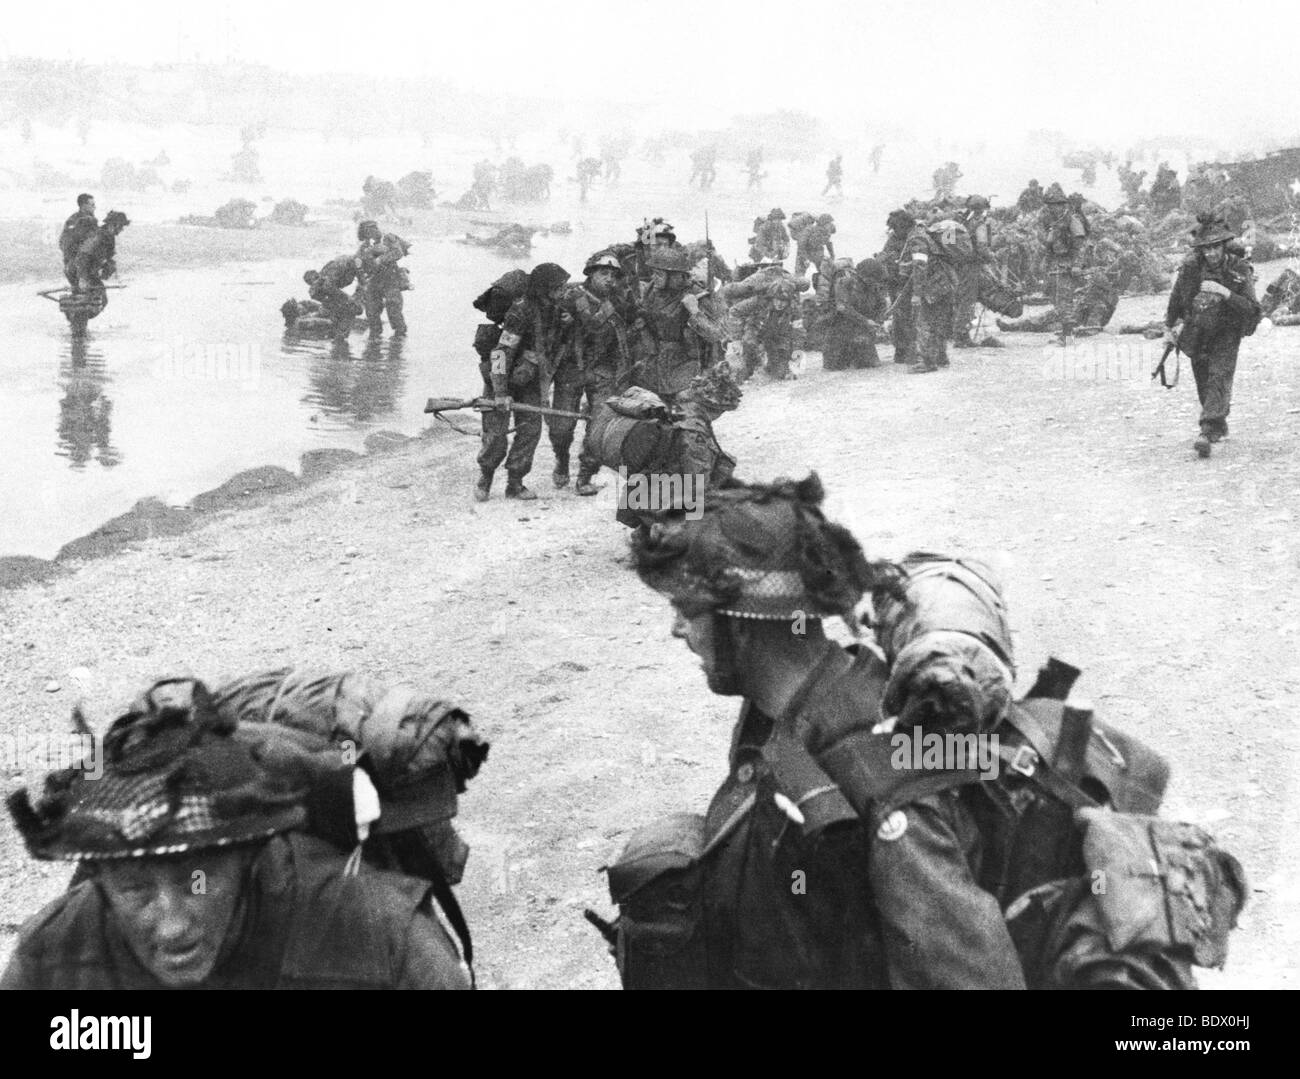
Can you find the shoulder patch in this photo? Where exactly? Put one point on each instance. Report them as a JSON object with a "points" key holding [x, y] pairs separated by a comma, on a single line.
{"points": [[893, 826]]}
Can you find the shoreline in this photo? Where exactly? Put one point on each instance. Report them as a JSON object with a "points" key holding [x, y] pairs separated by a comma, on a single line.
{"points": [[150, 517]]}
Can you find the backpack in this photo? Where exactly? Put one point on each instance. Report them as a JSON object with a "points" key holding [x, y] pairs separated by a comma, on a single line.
{"points": [[495, 301], [953, 241]]}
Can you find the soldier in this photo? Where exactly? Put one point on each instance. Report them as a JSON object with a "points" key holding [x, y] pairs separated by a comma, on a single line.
{"points": [[382, 280], [675, 445], [1166, 193], [589, 170], [326, 288], [814, 244], [1211, 308], [1130, 182], [1031, 198], [773, 239], [938, 874], [704, 166], [754, 166], [604, 352], [903, 323], [485, 184], [980, 231], [675, 336], [877, 152], [1063, 232], [197, 872], [834, 176], [768, 320], [531, 343], [857, 301], [76, 230], [945, 180], [95, 259], [933, 277], [634, 257], [1094, 307]]}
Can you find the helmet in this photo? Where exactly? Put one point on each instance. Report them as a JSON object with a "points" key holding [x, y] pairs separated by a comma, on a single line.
{"points": [[544, 277], [761, 551], [118, 218], [871, 270], [900, 220], [176, 777], [311, 276], [1055, 193], [716, 388], [1212, 231], [825, 219], [657, 230], [777, 214], [977, 202], [670, 258], [367, 228], [602, 260]]}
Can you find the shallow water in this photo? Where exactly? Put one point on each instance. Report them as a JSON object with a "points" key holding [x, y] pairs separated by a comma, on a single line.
{"points": [[186, 377]]}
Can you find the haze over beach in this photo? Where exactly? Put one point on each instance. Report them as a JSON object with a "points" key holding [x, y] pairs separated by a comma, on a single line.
{"points": [[1103, 70]]}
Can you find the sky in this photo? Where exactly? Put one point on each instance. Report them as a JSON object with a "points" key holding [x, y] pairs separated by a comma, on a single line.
{"points": [[1097, 69]]}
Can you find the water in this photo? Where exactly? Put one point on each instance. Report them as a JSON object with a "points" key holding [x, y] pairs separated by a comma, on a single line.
{"points": [[186, 378]]}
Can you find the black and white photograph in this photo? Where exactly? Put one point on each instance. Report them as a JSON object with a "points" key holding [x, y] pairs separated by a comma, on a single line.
{"points": [[719, 495]]}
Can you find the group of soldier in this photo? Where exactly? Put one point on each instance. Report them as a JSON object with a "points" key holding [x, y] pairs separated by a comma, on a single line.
{"points": [[892, 815], [89, 251], [838, 852], [379, 278]]}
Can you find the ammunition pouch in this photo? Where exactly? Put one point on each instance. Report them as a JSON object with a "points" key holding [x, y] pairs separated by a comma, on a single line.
{"points": [[1163, 885], [1156, 898], [658, 884], [525, 370], [486, 337]]}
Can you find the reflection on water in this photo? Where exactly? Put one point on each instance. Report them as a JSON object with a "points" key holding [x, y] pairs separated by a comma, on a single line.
{"points": [[85, 428], [353, 382]]}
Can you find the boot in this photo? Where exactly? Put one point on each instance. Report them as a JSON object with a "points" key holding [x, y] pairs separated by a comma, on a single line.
{"points": [[484, 485], [515, 489], [921, 368], [585, 486], [1202, 445], [560, 476]]}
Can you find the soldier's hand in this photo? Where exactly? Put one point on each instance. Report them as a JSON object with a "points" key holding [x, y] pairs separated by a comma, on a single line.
{"points": [[1171, 335], [501, 404], [690, 303]]}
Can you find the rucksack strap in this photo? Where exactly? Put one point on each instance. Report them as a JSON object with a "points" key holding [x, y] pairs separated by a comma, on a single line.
{"points": [[441, 890]]}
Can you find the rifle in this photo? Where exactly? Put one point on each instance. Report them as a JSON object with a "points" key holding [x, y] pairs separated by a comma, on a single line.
{"points": [[708, 259], [606, 929], [438, 405], [1171, 347]]}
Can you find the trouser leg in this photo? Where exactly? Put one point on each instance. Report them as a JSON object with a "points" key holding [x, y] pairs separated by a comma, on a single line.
{"points": [[1214, 387], [566, 394], [779, 354], [904, 330], [528, 432], [599, 388], [373, 301], [394, 304]]}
